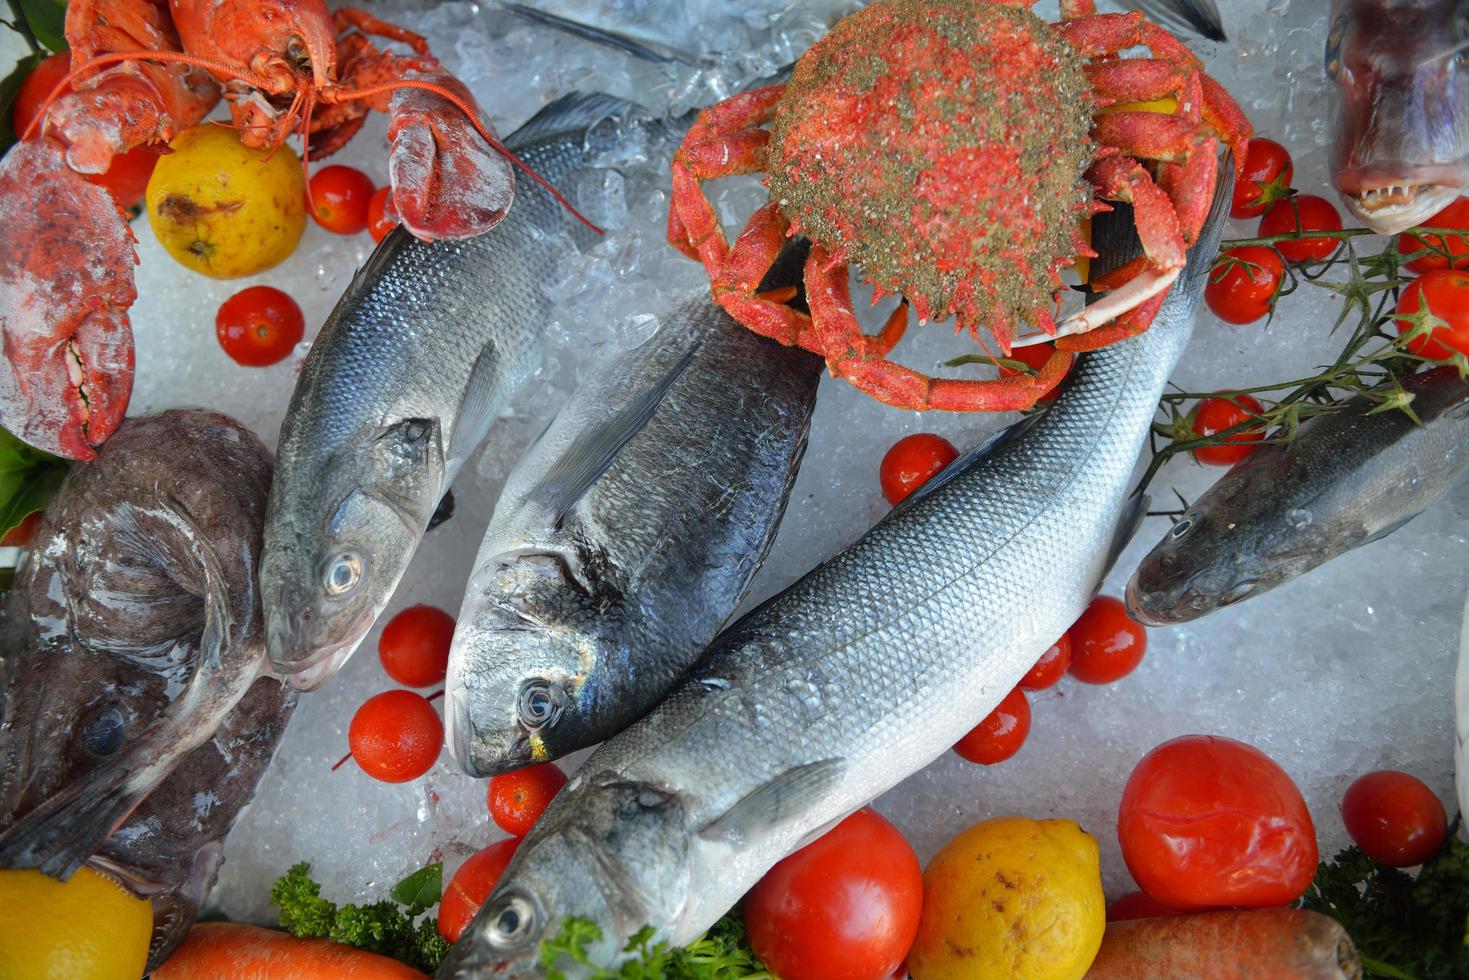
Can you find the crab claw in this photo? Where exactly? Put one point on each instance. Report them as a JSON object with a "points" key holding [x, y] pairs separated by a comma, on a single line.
{"points": [[66, 282], [448, 182]]}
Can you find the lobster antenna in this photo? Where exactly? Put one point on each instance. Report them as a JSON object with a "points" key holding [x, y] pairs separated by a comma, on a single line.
{"points": [[479, 127]]}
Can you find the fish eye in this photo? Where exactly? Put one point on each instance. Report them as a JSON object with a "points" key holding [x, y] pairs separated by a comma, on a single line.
{"points": [[539, 704], [1333, 49], [1181, 528], [342, 574], [103, 734], [512, 921]]}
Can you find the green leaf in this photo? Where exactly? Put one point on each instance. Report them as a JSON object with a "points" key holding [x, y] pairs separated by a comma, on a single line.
{"points": [[47, 20], [421, 889], [9, 88], [28, 479]]}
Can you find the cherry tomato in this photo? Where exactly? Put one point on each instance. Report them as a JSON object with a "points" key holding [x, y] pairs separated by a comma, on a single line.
{"points": [[1215, 415], [414, 647], [1394, 818], [339, 198], [381, 218], [396, 736], [1106, 643], [1456, 215], [1050, 667], [1035, 357], [1316, 214], [1001, 733], [259, 326], [1138, 905], [1243, 290], [517, 799], [1263, 180], [471, 885], [911, 461], [844, 907], [127, 177], [1445, 292], [1207, 821], [23, 535]]}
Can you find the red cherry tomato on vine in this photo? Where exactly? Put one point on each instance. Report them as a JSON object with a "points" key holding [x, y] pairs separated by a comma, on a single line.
{"points": [[396, 736], [1243, 284], [1445, 293], [1000, 735], [1215, 415], [127, 177], [1263, 180], [1394, 818], [1035, 357], [910, 463], [1106, 643], [1050, 668], [259, 326], [1456, 215], [471, 885], [1316, 214], [844, 907], [381, 219], [517, 799], [1207, 821], [414, 647], [339, 198]]}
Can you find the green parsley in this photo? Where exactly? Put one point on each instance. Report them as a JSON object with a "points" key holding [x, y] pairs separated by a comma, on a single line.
{"points": [[722, 953]]}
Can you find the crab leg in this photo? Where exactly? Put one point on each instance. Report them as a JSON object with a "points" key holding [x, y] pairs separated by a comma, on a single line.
{"points": [[733, 285]]}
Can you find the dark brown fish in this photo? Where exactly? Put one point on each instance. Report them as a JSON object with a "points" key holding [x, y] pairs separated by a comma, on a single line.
{"points": [[136, 714]]}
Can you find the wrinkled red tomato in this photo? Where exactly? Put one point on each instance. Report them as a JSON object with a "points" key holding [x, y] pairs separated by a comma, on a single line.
{"points": [[844, 907], [1207, 822]]}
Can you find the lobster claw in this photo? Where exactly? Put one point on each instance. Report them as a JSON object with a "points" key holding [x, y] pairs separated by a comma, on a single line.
{"points": [[447, 181], [66, 283]]}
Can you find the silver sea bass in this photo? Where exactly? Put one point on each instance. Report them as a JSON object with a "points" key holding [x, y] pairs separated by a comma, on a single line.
{"points": [[857, 676], [422, 352], [625, 538], [1347, 478]]}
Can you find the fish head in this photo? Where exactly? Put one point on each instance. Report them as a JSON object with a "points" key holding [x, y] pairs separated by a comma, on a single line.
{"points": [[130, 630], [1400, 151], [529, 649], [338, 537], [569, 869]]}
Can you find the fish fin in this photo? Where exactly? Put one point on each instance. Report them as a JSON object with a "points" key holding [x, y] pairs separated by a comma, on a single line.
{"points": [[967, 459], [1133, 513], [775, 801], [1384, 532], [483, 395], [574, 110], [593, 451], [60, 834], [1199, 16], [659, 54]]}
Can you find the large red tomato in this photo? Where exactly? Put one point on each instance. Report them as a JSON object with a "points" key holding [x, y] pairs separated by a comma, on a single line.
{"points": [[844, 907], [1208, 822]]}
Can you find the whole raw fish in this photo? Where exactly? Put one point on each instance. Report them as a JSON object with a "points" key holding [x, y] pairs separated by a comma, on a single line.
{"points": [[134, 717], [425, 348], [626, 537], [860, 674], [1400, 149], [1348, 478]]}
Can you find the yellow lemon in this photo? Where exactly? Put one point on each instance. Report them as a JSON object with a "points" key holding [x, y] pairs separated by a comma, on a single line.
{"points": [[1011, 898], [223, 209], [88, 928]]}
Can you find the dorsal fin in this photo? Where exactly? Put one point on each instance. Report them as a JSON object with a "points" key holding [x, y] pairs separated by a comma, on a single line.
{"points": [[574, 110]]}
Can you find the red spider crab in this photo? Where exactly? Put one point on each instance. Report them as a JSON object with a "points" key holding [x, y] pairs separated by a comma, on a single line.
{"points": [[141, 75], [951, 149]]}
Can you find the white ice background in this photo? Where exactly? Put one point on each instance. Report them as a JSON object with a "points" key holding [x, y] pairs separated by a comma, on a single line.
{"points": [[1345, 670]]}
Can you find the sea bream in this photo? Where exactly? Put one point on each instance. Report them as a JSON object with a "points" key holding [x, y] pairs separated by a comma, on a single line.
{"points": [[135, 714], [422, 352], [857, 676], [626, 536], [1400, 145], [1347, 478]]}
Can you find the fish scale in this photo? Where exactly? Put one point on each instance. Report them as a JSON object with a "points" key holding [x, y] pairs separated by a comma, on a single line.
{"points": [[910, 637]]}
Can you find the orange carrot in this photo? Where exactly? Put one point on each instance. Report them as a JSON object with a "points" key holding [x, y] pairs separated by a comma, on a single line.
{"points": [[231, 951], [1283, 944]]}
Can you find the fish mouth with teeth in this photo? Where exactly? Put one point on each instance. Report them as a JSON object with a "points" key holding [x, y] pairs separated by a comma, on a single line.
{"points": [[1393, 198]]}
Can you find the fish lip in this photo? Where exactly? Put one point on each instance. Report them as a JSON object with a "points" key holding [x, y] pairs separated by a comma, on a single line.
{"points": [[1137, 608], [321, 667], [1392, 197]]}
